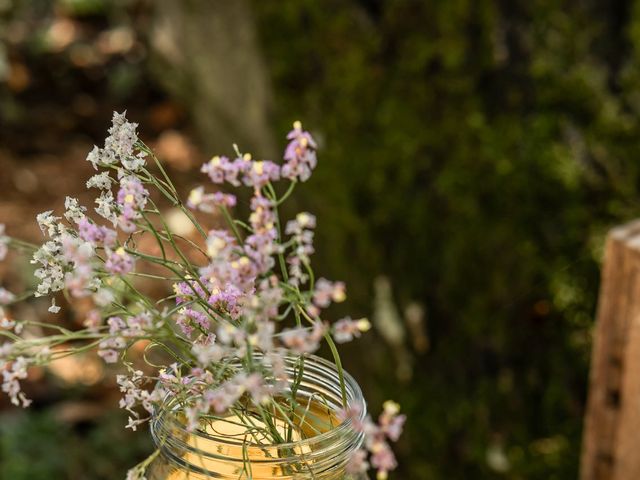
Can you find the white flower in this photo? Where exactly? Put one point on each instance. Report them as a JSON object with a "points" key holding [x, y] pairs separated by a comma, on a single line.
{"points": [[54, 308], [94, 157], [101, 181], [48, 223], [107, 207], [74, 212], [134, 163]]}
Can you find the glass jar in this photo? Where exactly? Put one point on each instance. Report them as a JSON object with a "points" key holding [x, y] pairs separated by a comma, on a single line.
{"points": [[199, 455]]}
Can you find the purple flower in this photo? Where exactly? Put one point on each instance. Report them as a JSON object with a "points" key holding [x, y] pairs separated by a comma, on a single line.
{"points": [[207, 202], [220, 244], [119, 262], [383, 460], [221, 169], [132, 197], [260, 173], [197, 317], [188, 289], [391, 423], [303, 340], [95, 234], [345, 330], [325, 292], [226, 299], [358, 462], [300, 155]]}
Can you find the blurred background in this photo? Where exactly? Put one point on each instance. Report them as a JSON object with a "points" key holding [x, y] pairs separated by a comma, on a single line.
{"points": [[474, 154]]}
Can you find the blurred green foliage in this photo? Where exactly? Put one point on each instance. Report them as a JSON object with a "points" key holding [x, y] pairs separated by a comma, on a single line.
{"points": [[36, 445], [476, 153]]}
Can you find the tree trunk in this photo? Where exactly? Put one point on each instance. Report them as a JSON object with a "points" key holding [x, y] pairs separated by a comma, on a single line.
{"points": [[206, 54]]}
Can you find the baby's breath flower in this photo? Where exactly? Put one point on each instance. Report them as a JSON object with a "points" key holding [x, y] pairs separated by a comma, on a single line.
{"points": [[49, 224], [11, 376], [107, 207], [74, 212], [101, 181], [54, 308]]}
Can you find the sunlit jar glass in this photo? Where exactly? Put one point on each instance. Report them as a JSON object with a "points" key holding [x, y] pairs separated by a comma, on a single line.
{"points": [[222, 452]]}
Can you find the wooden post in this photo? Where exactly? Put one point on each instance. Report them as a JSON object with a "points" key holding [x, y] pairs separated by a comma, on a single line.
{"points": [[611, 439]]}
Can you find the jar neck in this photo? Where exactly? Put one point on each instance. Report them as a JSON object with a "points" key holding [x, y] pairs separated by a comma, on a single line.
{"points": [[225, 452]]}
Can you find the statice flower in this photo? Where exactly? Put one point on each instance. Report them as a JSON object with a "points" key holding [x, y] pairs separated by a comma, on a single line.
{"points": [[260, 173], [53, 308], [132, 198], [260, 246], [300, 154], [345, 330], [51, 255], [119, 262], [303, 340], [74, 212], [95, 234], [389, 427], [325, 292], [358, 462], [221, 169], [208, 202], [208, 353], [49, 224], [301, 231], [101, 181], [107, 207], [189, 317], [109, 349], [120, 146], [12, 373], [4, 242]]}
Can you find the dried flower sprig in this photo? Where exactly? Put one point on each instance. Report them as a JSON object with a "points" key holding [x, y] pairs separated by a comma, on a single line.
{"points": [[222, 325]]}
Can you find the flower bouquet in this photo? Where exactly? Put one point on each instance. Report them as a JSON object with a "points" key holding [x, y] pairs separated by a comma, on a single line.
{"points": [[227, 376]]}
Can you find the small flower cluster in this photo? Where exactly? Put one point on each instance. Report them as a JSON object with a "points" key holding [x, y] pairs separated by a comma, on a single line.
{"points": [[377, 435], [227, 324]]}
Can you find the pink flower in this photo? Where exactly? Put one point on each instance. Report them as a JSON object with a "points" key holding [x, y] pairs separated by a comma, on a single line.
{"points": [[207, 202], [300, 155], [96, 235], [119, 262], [132, 197], [358, 462], [326, 292], [345, 330], [259, 173], [303, 340], [221, 169]]}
